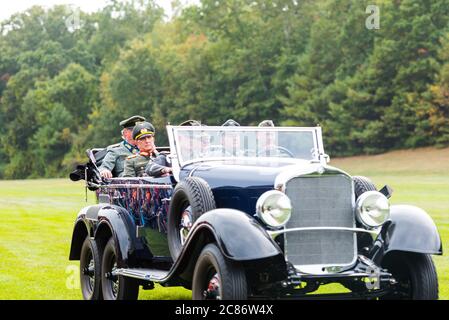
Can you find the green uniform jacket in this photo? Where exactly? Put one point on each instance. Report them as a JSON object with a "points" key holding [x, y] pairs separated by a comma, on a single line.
{"points": [[114, 160], [135, 165]]}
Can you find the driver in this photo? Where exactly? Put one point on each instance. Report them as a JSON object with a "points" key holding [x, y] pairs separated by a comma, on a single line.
{"points": [[190, 144], [230, 140], [231, 143], [266, 143]]}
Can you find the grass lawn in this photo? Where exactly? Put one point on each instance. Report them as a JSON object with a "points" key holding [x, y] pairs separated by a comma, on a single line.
{"points": [[37, 220]]}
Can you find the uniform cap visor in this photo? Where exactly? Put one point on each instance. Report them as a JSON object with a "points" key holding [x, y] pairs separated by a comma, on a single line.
{"points": [[143, 135]]}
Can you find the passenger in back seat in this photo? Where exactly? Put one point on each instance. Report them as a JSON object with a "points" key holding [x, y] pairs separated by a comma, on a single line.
{"points": [[143, 134], [113, 162]]}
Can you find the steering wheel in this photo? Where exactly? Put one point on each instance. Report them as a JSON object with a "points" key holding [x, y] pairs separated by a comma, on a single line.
{"points": [[217, 150], [281, 150]]}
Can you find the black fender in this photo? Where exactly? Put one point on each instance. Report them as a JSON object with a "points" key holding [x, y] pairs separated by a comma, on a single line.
{"points": [[239, 237], [104, 221], [408, 229], [84, 226]]}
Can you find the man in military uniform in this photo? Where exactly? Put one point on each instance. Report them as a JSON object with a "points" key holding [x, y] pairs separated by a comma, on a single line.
{"points": [[159, 167], [113, 162], [143, 134]]}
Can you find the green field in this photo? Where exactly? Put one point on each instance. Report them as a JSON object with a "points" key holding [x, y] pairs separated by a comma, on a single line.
{"points": [[37, 220]]}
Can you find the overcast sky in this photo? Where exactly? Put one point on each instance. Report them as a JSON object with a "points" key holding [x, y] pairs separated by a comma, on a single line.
{"points": [[7, 8]]}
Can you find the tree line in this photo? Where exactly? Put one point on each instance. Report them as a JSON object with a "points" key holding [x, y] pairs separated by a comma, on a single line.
{"points": [[297, 62]]}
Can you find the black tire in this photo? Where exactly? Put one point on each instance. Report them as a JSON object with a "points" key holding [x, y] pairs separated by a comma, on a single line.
{"points": [[229, 276], [361, 185], [193, 192], [116, 287], [90, 270], [416, 276]]}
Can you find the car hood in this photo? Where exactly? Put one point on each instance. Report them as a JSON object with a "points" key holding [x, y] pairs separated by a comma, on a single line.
{"points": [[246, 173], [238, 183]]}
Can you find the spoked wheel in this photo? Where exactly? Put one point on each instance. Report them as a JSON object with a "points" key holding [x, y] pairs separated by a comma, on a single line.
{"points": [[116, 287], [215, 278], [185, 224], [90, 270], [415, 275], [191, 198]]}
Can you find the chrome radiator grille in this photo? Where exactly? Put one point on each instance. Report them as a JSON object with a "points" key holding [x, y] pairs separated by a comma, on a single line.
{"points": [[320, 201]]}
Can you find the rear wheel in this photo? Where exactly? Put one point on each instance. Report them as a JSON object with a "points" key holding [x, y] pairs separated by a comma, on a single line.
{"points": [[90, 270], [115, 287], [416, 276], [215, 278], [191, 198]]}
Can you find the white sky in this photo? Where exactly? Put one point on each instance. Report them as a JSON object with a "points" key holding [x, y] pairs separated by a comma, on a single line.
{"points": [[8, 8]]}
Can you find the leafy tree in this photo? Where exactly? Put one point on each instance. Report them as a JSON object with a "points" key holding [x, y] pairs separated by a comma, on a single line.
{"points": [[433, 114], [370, 103], [120, 22], [296, 62], [52, 141], [131, 86]]}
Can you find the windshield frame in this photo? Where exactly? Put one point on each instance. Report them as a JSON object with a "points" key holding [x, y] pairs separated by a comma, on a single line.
{"points": [[178, 162]]}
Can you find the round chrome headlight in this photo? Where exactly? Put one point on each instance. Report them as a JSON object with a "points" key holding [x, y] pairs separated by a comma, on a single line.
{"points": [[373, 209], [274, 208]]}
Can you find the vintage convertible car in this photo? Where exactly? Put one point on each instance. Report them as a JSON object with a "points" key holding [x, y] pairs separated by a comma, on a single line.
{"points": [[251, 213]]}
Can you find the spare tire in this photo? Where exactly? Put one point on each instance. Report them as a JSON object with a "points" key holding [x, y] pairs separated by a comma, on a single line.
{"points": [[191, 198], [362, 184]]}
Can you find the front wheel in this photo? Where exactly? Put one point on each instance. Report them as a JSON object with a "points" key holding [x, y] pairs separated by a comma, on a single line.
{"points": [[215, 278], [191, 198], [115, 287], [416, 276]]}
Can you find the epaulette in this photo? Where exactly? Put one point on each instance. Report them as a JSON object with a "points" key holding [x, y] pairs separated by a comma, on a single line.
{"points": [[131, 156], [112, 146]]}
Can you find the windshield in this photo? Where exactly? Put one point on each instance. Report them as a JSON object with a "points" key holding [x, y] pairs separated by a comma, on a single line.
{"points": [[195, 143]]}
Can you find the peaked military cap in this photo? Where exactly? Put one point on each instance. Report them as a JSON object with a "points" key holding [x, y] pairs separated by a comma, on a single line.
{"points": [[190, 123], [266, 123], [231, 123], [143, 129], [131, 122]]}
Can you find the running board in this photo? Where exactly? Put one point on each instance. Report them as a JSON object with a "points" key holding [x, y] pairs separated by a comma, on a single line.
{"points": [[143, 274]]}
